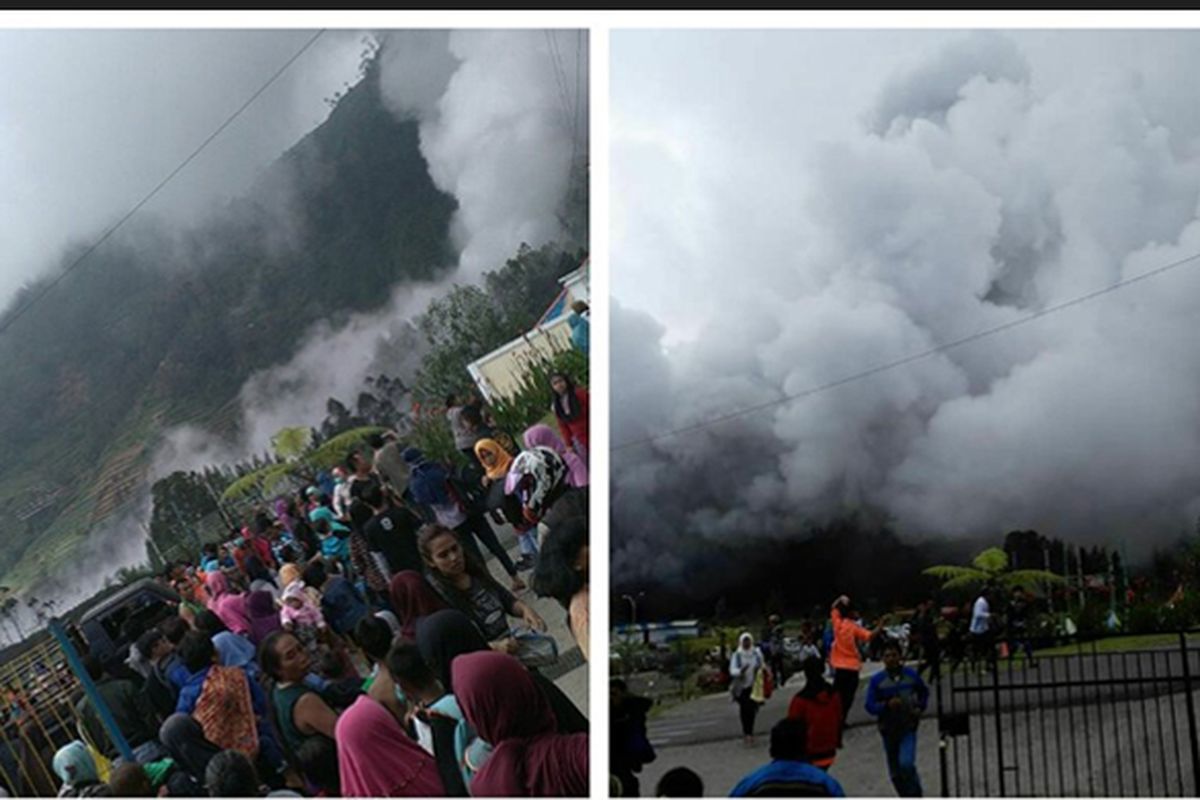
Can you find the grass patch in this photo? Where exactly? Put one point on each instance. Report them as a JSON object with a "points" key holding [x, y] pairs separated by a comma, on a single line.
{"points": [[1119, 644]]}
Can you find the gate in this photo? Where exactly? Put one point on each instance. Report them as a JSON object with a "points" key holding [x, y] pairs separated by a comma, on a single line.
{"points": [[1090, 723], [42, 685]]}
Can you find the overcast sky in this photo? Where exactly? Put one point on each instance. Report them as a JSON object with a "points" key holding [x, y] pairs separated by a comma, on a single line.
{"points": [[791, 208], [92, 120]]}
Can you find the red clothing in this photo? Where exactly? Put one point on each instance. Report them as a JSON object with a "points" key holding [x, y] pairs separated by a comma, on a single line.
{"points": [[577, 429], [822, 717]]}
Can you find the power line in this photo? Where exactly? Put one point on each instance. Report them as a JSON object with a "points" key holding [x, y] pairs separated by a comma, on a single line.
{"points": [[47, 288], [825, 387]]}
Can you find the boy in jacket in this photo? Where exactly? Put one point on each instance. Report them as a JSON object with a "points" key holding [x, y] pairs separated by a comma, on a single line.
{"points": [[897, 696]]}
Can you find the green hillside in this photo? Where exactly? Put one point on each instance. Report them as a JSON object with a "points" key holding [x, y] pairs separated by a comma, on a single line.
{"points": [[158, 327]]}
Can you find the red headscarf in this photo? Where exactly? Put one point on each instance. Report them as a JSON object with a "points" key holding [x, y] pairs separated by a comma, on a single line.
{"points": [[412, 598], [377, 759], [506, 708]]}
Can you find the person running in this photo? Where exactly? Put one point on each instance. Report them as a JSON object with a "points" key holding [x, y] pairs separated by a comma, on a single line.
{"points": [[819, 707], [745, 666], [844, 655], [789, 774], [897, 696]]}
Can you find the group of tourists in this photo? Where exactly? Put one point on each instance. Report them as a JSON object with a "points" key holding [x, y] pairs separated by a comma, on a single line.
{"points": [[350, 640]]}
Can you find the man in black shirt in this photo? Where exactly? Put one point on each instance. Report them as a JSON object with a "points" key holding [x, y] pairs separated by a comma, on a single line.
{"points": [[361, 476], [392, 531]]}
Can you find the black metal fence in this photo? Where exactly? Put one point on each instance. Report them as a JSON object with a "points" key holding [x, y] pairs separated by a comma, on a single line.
{"points": [[1095, 722]]}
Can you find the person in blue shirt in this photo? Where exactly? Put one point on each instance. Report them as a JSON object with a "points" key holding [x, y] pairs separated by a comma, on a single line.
{"points": [[788, 774], [579, 324], [897, 696]]}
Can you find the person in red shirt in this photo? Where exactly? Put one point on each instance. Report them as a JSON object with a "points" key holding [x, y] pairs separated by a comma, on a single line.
{"points": [[571, 409], [820, 708], [844, 656]]}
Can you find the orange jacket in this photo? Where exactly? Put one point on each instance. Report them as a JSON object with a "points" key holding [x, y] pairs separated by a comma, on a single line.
{"points": [[846, 635]]}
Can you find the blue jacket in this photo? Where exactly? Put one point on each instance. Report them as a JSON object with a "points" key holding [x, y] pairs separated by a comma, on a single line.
{"points": [[909, 688], [788, 779]]}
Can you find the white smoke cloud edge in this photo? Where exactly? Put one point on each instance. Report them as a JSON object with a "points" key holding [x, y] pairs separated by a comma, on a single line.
{"points": [[970, 198], [499, 135]]}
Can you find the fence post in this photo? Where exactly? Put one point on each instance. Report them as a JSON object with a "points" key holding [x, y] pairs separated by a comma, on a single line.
{"points": [[999, 720], [1191, 713], [943, 745], [93, 694]]}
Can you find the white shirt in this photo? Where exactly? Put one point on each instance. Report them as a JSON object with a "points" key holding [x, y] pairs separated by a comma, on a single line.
{"points": [[980, 615]]}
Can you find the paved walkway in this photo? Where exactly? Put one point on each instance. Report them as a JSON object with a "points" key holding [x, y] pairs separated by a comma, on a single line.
{"points": [[705, 735], [571, 673]]}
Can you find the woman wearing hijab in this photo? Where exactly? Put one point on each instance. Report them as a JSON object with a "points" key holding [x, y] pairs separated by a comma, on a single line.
{"points": [[497, 461], [544, 436], [376, 757], [570, 405], [228, 606], [444, 636], [744, 666], [76, 768], [529, 757], [262, 614], [412, 599]]}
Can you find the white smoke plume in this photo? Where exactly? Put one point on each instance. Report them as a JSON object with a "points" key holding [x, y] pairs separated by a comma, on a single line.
{"points": [[502, 116], [982, 186]]}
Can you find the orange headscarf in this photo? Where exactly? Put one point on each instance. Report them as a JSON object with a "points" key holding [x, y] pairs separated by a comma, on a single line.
{"points": [[501, 459]]}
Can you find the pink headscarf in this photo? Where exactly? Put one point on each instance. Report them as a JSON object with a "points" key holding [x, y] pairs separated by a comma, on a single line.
{"points": [[230, 608], [544, 436], [376, 758], [507, 709]]}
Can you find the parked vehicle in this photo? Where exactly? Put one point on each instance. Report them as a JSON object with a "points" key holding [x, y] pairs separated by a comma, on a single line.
{"points": [[147, 602]]}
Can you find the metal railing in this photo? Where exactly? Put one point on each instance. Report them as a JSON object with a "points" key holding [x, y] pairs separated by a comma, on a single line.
{"points": [[1095, 721]]}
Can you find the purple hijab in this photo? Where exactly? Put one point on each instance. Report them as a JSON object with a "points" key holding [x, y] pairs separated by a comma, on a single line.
{"points": [[544, 436]]}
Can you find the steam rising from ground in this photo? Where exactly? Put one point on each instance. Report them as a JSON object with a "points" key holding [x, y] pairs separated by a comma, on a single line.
{"points": [[500, 136], [986, 182]]}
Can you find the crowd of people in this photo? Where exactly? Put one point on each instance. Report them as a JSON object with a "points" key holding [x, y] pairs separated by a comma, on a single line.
{"points": [[804, 745], [830, 653], [351, 640]]}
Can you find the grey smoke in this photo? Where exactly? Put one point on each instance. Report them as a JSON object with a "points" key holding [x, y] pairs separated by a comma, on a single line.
{"points": [[987, 181]]}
